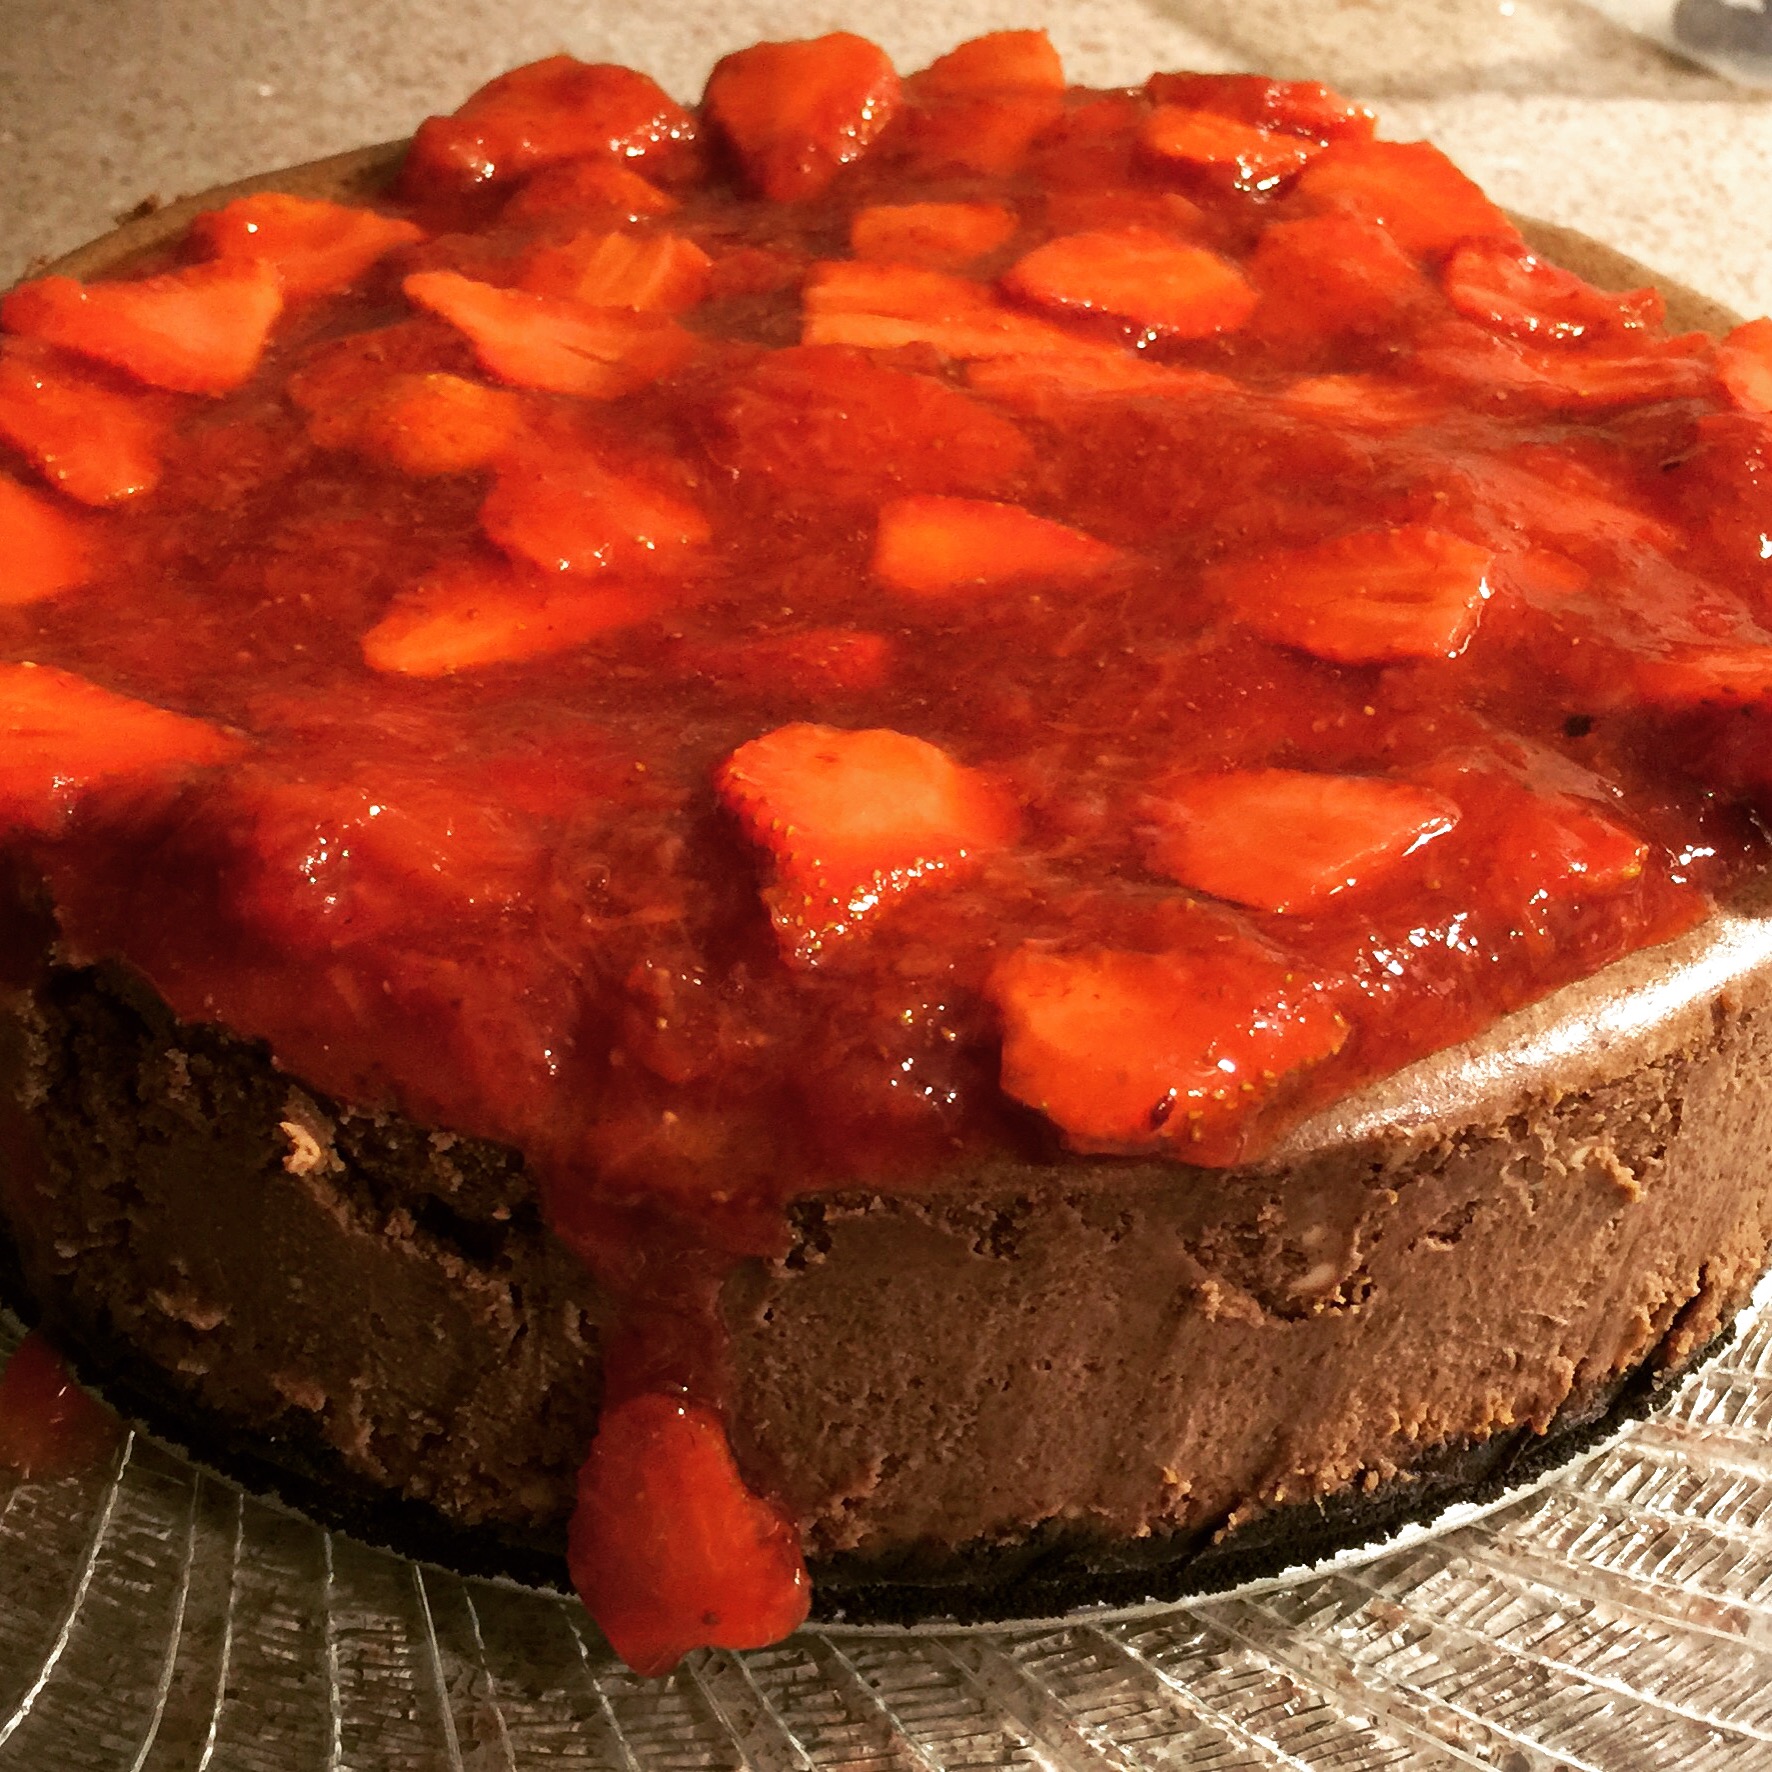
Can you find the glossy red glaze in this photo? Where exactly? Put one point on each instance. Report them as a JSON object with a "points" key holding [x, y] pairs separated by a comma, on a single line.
{"points": [[49, 1426]]}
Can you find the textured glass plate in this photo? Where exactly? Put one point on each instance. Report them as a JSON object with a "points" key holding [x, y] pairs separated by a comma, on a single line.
{"points": [[1618, 1616]]}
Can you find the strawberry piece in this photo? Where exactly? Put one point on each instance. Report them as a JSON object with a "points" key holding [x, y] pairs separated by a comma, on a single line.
{"points": [[755, 270], [796, 113], [1329, 276], [1519, 293], [1302, 106], [1372, 597], [474, 615], [200, 330], [345, 369], [425, 424], [668, 1548], [1123, 1051], [586, 190], [1123, 211], [313, 246], [883, 307], [97, 446], [548, 111], [43, 551], [818, 660], [1705, 676], [942, 236], [570, 513], [999, 61], [656, 273], [854, 819], [931, 546], [49, 1426], [1253, 158], [831, 422], [989, 134], [1560, 846], [1183, 291], [63, 735], [1362, 402], [1681, 368], [1744, 360], [1047, 385], [1408, 188], [560, 347], [1286, 840]]}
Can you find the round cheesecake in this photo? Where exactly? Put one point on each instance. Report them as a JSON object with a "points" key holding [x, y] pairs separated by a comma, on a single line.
{"points": [[1029, 1367]]}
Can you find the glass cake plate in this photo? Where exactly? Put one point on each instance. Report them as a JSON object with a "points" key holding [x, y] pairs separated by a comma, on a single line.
{"points": [[1616, 1615]]}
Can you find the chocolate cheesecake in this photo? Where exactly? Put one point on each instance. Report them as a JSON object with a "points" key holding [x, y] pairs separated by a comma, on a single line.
{"points": [[981, 826]]}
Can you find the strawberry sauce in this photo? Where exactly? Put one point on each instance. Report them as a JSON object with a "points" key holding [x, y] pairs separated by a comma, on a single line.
{"points": [[872, 625]]}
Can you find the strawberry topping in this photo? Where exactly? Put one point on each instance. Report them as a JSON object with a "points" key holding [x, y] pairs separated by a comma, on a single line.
{"points": [[1410, 189], [1253, 158], [424, 424], [49, 1426], [930, 547], [314, 247], [1744, 361], [88, 441], [43, 550], [1180, 291], [659, 273], [942, 236]]}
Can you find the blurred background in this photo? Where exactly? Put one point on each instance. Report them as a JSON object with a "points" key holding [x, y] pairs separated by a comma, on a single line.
{"points": [[1555, 106]]}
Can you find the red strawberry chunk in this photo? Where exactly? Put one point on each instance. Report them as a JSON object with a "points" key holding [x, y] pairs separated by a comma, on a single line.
{"points": [[570, 513], [1680, 368], [1744, 360], [315, 247], [1517, 292], [479, 614], [931, 546], [1327, 276], [43, 551], [669, 1550], [988, 134], [1705, 676], [1123, 1051], [796, 113], [854, 819], [424, 424], [200, 330], [95, 445], [1287, 840], [49, 1426], [942, 236], [658, 273], [883, 307], [829, 421], [1372, 597], [1301, 106], [1255, 159], [598, 190], [1362, 402], [1558, 846], [560, 347], [62, 735], [999, 61], [552, 110], [1409, 188], [1184, 291]]}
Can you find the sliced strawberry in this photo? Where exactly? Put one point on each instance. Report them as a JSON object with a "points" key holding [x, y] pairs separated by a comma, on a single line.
{"points": [[1047, 385], [854, 819], [796, 113], [49, 1426], [1703, 676], [570, 513], [1372, 597], [315, 247], [1123, 1051], [552, 110], [999, 61], [815, 661], [43, 551], [1362, 402], [561, 347], [345, 369], [1287, 840], [883, 307], [1136, 211], [1680, 368], [1302, 106], [656, 273], [1251, 158], [755, 270], [425, 424], [1560, 846], [1328, 276], [942, 236], [1409, 188], [478, 614], [669, 1550], [1183, 291], [932, 546], [63, 735], [200, 330], [1517, 292], [95, 445], [831, 423], [988, 133], [1744, 360], [588, 190]]}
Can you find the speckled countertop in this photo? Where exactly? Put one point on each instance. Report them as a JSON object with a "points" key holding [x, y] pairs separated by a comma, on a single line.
{"points": [[1553, 108]]}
